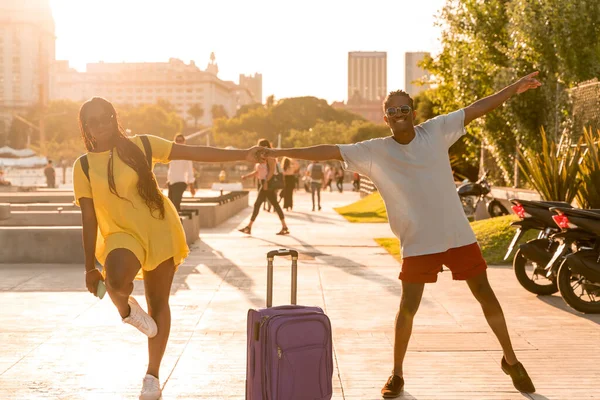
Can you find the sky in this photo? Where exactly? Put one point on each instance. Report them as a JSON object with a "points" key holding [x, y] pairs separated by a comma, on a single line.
{"points": [[300, 47]]}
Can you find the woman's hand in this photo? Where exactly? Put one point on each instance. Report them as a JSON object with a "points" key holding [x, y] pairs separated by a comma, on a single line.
{"points": [[92, 278]]}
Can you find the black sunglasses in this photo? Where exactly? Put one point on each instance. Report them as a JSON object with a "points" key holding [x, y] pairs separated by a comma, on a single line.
{"points": [[94, 122], [393, 111]]}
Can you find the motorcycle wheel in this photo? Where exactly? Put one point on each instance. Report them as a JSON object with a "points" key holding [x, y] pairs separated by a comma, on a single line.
{"points": [[569, 284], [528, 280], [496, 209]]}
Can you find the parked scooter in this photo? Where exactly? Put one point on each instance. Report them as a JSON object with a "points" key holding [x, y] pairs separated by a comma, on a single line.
{"points": [[579, 273], [532, 257], [471, 194]]}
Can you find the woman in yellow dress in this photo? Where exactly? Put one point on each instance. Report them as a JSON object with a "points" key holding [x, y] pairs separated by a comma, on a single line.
{"points": [[129, 226]]}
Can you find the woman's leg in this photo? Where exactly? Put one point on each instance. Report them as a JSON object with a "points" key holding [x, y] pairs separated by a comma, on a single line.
{"points": [[260, 199], [121, 267], [178, 190], [158, 288], [271, 196]]}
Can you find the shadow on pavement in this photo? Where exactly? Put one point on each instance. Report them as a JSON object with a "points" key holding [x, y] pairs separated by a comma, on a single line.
{"points": [[557, 302], [350, 267]]}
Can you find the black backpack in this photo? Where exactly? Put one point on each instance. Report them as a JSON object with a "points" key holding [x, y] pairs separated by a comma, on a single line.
{"points": [[316, 172], [85, 165]]}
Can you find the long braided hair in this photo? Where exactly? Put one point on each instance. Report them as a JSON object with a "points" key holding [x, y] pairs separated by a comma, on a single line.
{"points": [[129, 153]]}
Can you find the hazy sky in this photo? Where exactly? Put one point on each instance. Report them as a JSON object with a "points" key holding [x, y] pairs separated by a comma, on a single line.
{"points": [[300, 47]]}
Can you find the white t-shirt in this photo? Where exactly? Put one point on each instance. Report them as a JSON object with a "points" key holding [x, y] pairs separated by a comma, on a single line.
{"points": [[416, 183], [180, 171]]}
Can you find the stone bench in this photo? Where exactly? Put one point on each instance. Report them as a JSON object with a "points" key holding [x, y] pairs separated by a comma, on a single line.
{"points": [[42, 218], [214, 213], [41, 245]]}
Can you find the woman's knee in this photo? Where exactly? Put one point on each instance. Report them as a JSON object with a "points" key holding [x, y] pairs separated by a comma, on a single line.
{"points": [[116, 282]]}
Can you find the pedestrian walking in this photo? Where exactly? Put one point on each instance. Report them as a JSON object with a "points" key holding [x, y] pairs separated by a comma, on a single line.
{"points": [[180, 176]]}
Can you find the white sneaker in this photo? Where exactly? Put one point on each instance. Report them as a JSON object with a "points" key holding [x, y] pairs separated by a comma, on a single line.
{"points": [[150, 388], [140, 319]]}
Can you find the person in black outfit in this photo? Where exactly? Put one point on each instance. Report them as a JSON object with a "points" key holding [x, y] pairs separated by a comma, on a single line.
{"points": [[264, 171]]}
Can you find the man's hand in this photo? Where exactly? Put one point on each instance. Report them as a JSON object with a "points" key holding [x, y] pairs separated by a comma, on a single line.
{"points": [[527, 82]]}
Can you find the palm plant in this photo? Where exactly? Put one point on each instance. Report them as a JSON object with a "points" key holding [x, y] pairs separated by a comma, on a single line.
{"points": [[588, 195], [554, 174]]}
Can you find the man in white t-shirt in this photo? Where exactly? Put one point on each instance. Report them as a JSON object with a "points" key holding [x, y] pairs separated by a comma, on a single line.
{"points": [[412, 171]]}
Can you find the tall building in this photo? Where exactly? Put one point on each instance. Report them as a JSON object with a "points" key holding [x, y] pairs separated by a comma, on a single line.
{"points": [[367, 75], [183, 85], [254, 84], [412, 72], [26, 56]]}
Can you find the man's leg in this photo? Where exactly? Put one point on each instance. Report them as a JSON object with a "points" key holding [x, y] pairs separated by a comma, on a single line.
{"points": [[481, 289], [409, 304]]}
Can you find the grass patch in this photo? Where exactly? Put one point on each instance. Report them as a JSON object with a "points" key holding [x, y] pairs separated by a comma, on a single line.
{"points": [[494, 236], [368, 209], [392, 245]]}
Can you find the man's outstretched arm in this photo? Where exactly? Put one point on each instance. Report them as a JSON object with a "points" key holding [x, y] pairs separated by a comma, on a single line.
{"points": [[321, 152], [487, 104]]}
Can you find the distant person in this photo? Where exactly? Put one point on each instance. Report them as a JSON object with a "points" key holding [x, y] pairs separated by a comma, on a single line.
{"points": [[264, 171], [3, 181], [289, 168], [180, 176], [411, 169], [129, 226], [329, 174], [50, 175], [356, 182], [315, 174], [339, 179]]}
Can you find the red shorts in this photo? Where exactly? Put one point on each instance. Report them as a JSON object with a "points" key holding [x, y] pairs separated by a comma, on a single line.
{"points": [[465, 262]]}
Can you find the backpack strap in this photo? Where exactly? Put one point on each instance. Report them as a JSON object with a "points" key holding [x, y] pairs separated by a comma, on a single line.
{"points": [[85, 166], [147, 149]]}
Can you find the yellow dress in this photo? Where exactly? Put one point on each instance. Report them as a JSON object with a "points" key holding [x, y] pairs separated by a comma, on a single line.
{"points": [[127, 223]]}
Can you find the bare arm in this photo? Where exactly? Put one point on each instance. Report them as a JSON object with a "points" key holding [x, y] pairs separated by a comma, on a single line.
{"points": [[212, 154], [487, 104], [90, 232], [321, 152]]}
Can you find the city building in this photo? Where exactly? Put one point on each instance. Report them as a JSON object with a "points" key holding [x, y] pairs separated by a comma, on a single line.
{"points": [[26, 55], [367, 75], [412, 72], [181, 84], [254, 84]]}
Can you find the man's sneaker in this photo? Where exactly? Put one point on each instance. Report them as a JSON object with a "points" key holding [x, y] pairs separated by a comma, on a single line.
{"points": [[140, 319], [150, 388], [393, 387], [521, 381]]}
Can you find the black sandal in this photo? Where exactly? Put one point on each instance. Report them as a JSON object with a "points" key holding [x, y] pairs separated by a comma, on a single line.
{"points": [[283, 231], [247, 230]]}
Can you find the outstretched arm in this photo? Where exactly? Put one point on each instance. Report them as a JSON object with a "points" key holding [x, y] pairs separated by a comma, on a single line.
{"points": [[487, 104], [321, 152], [213, 154]]}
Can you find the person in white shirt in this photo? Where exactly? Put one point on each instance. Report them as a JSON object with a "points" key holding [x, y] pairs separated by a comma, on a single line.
{"points": [[180, 176], [412, 171]]}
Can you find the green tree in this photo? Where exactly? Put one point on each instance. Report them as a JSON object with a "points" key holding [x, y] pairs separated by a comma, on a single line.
{"points": [[196, 111], [151, 119], [298, 113], [218, 111], [489, 44]]}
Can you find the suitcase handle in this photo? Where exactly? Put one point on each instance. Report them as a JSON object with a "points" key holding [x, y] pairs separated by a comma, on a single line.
{"points": [[270, 257]]}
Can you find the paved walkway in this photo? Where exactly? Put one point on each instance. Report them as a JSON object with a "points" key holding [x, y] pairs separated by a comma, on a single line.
{"points": [[59, 342]]}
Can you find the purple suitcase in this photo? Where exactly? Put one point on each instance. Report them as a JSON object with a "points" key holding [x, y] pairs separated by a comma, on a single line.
{"points": [[289, 348]]}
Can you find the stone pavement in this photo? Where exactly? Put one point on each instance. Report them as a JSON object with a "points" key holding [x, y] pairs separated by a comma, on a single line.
{"points": [[59, 342]]}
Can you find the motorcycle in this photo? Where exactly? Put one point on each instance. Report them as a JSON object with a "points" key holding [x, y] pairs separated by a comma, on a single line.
{"points": [[473, 193], [579, 252], [532, 257]]}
